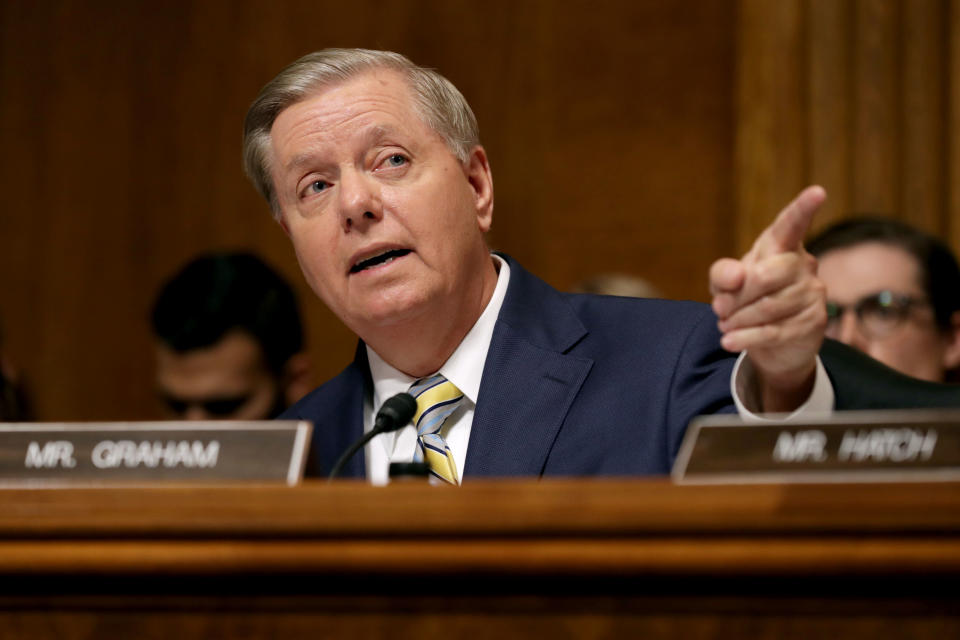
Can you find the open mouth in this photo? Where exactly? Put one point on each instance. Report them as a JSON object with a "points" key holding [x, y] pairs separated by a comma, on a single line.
{"points": [[379, 259]]}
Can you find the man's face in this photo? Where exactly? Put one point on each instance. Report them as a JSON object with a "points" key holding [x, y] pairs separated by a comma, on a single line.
{"points": [[913, 343], [386, 222], [226, 381]]}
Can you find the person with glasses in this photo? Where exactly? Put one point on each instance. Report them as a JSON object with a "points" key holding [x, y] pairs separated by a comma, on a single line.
{"points": [[229, 341], [893, 292]]}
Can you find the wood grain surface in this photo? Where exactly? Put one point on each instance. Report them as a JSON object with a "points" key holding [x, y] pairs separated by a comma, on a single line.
{"points": [[504, 559]]}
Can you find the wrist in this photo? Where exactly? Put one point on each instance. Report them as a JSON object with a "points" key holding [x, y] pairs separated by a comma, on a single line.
{"points": [[785, 392]]}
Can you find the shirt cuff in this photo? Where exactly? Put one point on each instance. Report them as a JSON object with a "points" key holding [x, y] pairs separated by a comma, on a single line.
{"points": [[743, 388]]}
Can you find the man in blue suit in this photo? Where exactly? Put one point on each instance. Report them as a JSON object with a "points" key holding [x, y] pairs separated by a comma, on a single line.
{"points": [[373, 168]]}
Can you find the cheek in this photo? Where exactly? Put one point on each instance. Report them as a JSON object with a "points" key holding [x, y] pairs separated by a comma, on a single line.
{"points": [[311, 234], [260, 403], [908, 350], [315, 256], [443, 206], [460, 227]]}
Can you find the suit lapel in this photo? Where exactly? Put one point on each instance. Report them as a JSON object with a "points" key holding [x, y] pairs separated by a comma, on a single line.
{"points": [[528, 383], [343, 417]]}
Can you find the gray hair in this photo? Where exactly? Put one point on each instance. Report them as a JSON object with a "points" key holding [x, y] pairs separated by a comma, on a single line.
{"points": [[438, 103]]}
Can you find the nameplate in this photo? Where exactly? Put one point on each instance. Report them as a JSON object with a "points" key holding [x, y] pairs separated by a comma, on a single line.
{"points": [[150, 453], [857, 446]]}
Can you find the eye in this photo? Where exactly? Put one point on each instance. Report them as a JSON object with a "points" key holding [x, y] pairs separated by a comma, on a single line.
{"points": [[396, 160], [884, 306], [834, 311], [225, 406], [317, 186], [176, 406], [883, 311]]}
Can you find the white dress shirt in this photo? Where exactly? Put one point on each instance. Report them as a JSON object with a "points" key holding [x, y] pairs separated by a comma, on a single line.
{"points": [[464, 369]]}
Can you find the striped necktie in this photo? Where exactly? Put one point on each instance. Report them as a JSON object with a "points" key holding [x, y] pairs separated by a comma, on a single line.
{"points": [[437, 398]]}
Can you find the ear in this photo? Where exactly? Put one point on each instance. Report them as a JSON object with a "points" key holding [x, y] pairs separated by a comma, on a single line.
{"points": [[951, 355], [477, 170], [297, 377]]}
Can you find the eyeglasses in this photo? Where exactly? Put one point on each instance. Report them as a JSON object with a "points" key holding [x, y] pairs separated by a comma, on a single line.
{"points": [[220, 407], [878, 314]]}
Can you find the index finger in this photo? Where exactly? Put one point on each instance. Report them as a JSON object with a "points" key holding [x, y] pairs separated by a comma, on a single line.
{"points": [[787, 231]]}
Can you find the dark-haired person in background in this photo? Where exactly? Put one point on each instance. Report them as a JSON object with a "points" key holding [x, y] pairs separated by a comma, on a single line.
{"points": [[14, 403], [617, 284], [893, 292], [229, 340]]}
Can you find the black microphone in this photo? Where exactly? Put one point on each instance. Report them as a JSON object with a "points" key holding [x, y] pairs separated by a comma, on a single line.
{"points": [[395, 414]]}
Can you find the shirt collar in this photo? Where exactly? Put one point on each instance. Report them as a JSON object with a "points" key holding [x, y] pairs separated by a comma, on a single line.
{"points": [[464, 367]]}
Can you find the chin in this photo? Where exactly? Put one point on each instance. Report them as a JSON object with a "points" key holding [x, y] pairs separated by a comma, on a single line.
{"points": [[391, 311]]}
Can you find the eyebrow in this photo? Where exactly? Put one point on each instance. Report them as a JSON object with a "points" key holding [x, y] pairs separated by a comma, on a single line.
{"points": [[368, 138]]}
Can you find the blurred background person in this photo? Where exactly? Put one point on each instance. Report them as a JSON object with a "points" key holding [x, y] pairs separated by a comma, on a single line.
{"points": [[893, 292], [14, 404], [229, 340], [617, 284]]}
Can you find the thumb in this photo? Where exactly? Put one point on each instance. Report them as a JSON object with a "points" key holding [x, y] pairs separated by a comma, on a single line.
{"points": [[726, 276]]}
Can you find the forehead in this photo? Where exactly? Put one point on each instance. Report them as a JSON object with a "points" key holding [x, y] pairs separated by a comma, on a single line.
{"points": [[228, 365], [852, 272], [380, 97]]}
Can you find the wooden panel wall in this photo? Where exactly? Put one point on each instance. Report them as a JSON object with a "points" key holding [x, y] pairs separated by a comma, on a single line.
{"points": [[642, 136], [861, 96], [609, 126]]}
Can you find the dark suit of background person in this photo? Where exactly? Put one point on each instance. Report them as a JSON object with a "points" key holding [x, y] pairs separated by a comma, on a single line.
{"points": [[862, 383]]}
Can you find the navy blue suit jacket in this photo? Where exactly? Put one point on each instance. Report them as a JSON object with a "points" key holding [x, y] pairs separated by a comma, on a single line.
{"points": [[572, 385]]}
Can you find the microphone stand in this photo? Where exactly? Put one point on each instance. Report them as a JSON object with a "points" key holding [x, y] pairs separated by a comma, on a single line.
{"points": [[395, 413], [342, 460]]}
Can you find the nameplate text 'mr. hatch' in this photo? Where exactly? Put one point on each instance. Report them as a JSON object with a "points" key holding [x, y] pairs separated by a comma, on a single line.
{"points": [[148, 453], [855, 446]]}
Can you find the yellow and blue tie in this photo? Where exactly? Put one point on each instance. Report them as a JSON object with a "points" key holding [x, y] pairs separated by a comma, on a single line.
{"points": [[437, 398]]}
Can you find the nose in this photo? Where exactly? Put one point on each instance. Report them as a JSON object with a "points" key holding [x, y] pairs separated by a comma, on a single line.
{"points": [[360, 203], [850, 332], [195, 412]]}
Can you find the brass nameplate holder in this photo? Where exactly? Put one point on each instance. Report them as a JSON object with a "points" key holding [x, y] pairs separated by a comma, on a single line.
{"points": [[856, 446], [150, 453]]}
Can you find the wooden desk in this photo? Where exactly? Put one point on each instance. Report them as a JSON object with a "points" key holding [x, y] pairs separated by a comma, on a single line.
{"points": [[577, 559]]}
